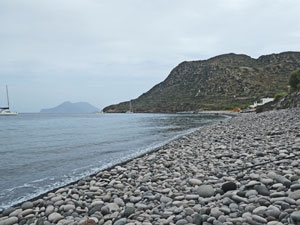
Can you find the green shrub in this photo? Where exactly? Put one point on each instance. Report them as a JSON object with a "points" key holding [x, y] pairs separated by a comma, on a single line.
{"points": [[280, 95], [294, 81]]}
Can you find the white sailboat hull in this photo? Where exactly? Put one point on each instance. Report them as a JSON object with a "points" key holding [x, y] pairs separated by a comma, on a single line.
{"points": [[8, 113], [4, 111]]}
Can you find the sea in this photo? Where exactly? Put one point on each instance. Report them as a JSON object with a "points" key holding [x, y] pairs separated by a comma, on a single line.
{"points": [[41, 152]]}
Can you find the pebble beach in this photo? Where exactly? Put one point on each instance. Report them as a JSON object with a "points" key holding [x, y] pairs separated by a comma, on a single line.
{"points": [[244, 170]]}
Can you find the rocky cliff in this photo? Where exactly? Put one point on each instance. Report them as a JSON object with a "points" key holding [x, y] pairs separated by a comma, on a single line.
{"points": [[221, 82]]}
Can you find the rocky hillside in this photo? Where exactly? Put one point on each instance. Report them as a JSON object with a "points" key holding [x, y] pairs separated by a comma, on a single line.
{"points": [[221, 82]]}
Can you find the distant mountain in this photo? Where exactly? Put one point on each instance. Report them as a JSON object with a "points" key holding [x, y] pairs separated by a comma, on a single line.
{"points": [[69, 107], [222, 82]]}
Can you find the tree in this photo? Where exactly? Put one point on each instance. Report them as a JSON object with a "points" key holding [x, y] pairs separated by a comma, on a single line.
{"points": [[294, 81]]}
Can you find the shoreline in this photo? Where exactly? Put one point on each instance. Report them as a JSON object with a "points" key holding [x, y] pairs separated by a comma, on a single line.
{"points": [[126, 160], [182, 182], [220, 112]]}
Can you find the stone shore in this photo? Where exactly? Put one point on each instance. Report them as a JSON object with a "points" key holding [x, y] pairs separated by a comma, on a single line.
{"points": [[244, 171]]}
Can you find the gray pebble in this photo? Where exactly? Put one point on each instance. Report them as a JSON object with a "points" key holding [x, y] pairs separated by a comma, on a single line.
{"points": [[27, 205]]}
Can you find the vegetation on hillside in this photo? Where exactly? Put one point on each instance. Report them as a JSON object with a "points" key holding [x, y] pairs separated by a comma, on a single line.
{"points": [[294, 80], [222, 82], [285, 100], [280, 95]]}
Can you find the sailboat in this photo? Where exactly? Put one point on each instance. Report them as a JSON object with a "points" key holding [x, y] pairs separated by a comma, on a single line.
{"points": [[130, 108], [4, 111]]}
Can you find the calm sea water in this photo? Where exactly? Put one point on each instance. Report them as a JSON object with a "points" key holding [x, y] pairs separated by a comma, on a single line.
{"points": [[39, 152]]}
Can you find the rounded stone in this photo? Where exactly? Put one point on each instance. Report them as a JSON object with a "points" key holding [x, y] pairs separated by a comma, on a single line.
{"points": [[181, 222], [9, 221], [119, 202], [8, 211], [165, 199], [16, 212], [215, 212], [252, 183], [229, 186], [134, 199], [273, 211], [189, 211], [105, 210], [55, 217], [113, 207], [195, 181], [295, 187], [27, 205], [89, 222], [262, 190], [69, 207], [295, 195], [121, 221], [119, 186], [128, 211], [295, 216], [191, 197], [40, 221], [251, 193], [95, 208], [197, 219], [27, 212], [259, 219], [206, 191]]}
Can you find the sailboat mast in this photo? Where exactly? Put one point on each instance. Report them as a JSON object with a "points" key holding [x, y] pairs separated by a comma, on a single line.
{"points": [[130, 106], [7, 96]]}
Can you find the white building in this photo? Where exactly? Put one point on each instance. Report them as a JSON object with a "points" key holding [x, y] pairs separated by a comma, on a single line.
{"points": [[261, 102]]}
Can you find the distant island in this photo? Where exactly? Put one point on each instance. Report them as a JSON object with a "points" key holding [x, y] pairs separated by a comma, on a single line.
{"points": [[69, 107], [223, 82]]}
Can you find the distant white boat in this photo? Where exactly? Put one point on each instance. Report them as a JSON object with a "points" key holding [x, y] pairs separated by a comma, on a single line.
{"points": [[100, 112], [4, 111], [130, 108]]}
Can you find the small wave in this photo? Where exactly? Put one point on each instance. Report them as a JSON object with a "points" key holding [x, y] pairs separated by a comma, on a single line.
{"points": [[67, 179], [39, 180], [18, 187], [85, 171]]}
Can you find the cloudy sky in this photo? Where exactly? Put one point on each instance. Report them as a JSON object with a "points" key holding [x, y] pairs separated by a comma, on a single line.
{"points": [[107, 51]]}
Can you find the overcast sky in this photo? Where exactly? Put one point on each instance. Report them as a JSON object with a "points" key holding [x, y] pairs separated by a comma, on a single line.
{"points": [[105, 52]]}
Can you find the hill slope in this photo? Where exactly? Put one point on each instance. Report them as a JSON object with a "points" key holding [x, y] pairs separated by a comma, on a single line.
{"points": [[221, 82], [291, 100], [68, 107]]}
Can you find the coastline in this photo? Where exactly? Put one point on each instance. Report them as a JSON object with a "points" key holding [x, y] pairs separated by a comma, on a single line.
{"points": [[145, 151], [165, 185], [220, 112]]}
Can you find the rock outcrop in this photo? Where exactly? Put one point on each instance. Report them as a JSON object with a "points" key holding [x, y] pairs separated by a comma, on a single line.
{"points": [[291, 100]]}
